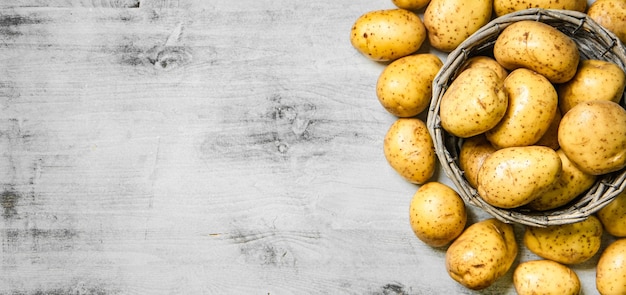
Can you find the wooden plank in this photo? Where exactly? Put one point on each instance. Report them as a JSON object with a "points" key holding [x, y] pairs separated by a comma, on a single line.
{"points": [[71, 3]]}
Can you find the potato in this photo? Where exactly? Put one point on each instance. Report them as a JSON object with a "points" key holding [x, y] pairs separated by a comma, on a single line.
{"points": [[611, 269], [568, 243], [611, 14], [482, 254], [410, 150], [502, 7], [613, 216], [593, 136], [570, 185], [539, 47], [385, 35], [472, 155], [410, 4], [604, 79], [515, 176], [450, 22], [437, 214], [545, 277], [474, 103], [551, 137], [404, 87], [485, 62], [532, 106]]}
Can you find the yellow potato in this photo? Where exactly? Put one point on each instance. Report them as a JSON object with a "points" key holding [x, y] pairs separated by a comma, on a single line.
{"points": [[410, 150], [410, 4], [532, 106], [611, 14], [604, 79], [482, 254], [437, 214], [551, 137], [502, 7], [568, 243], [485, 62], [593, 136], [474, 103], [545, 277], [450, 22], [611, 269], [384, 35], [515, 176], [570, 185], [613, 216], [472, 155], [404, 87], [539, 47]]}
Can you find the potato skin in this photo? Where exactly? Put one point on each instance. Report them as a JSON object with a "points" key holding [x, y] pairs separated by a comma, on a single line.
{"points": [[545, 277], [539, 47], [385, 35], [502, 7], [532, 106], [611, 14], [437, 214], [482, 254], [593, 136], [613, 216], [404, 88], [611, 269], [568, 243], [410, 4], [481, 61], [551, 137], [474, 103], [515, 176], [570, 185], [474, 151], [450, 22], [604, 79], [410, 151]]}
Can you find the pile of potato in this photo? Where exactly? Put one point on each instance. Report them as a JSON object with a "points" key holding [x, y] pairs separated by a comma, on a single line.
{"points": [[539, 125]]}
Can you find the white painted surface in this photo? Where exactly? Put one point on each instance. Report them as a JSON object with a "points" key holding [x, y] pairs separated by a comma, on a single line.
{"points": [[202, 147]]}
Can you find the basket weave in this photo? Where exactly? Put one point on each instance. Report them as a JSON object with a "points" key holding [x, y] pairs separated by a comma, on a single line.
{"points": [[594, 42]]}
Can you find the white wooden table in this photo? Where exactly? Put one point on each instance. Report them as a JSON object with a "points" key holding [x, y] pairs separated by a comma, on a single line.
{"points": [[202, 147]]}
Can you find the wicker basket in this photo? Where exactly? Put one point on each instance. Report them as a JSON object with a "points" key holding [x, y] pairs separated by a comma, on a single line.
{"points": [[594, 42]]}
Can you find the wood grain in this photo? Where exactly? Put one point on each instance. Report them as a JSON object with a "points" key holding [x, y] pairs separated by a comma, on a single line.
{"points": [[201, 147]]}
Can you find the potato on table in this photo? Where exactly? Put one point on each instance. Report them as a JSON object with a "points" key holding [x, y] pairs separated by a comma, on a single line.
{"points": [[568, 243], [409, 150], [502, 7], [385, 35], [611, 14], [613, 216], [482, 254], [450, 22], [545, 277], [404, 88], [411, 4], [437, 214], [611, 269]]}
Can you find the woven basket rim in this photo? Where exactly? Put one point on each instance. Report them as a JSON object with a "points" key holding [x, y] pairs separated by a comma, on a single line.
{"points": [[594, 42]]}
